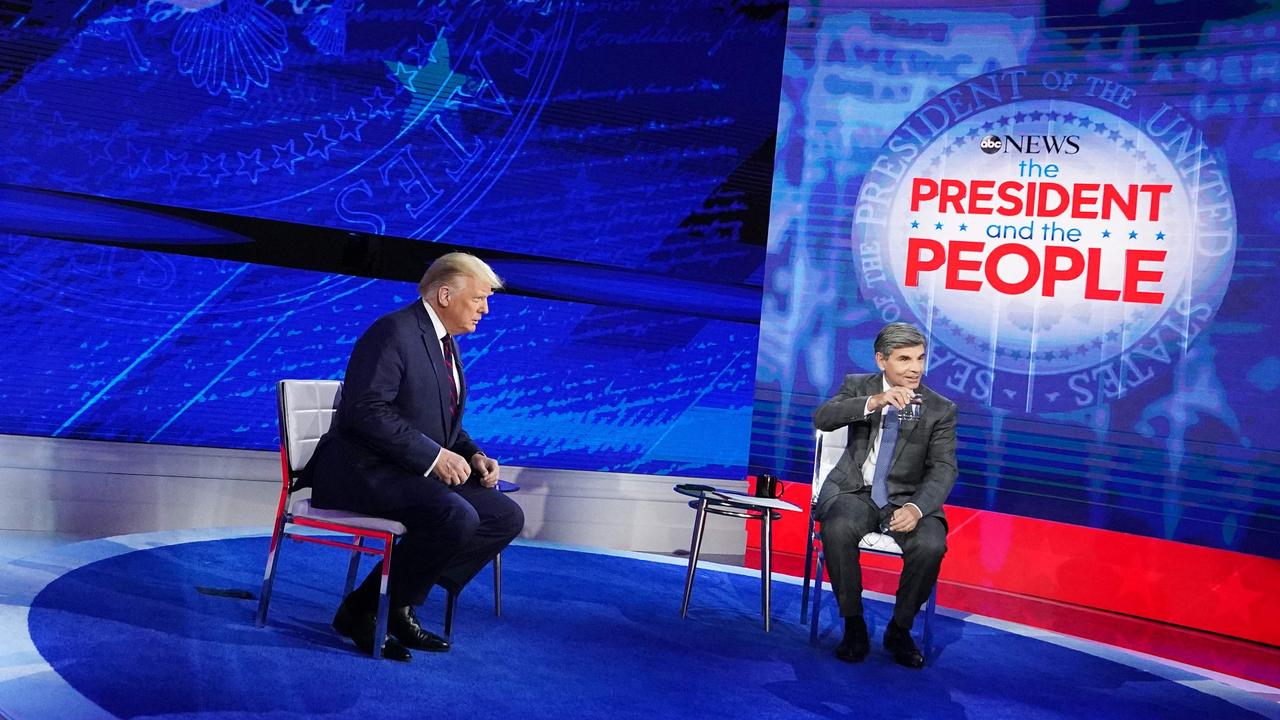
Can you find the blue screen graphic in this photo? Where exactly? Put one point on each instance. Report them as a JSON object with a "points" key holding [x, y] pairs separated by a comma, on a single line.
{"points": [[613, 162]]}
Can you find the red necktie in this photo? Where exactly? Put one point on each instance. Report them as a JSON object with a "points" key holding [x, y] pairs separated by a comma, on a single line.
{"points": [[447, 345]]}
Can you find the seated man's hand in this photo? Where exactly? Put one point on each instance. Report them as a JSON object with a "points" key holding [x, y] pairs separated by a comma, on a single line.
{"points": [[451, 468], [896, 396], [486, 467], [904, 519]]}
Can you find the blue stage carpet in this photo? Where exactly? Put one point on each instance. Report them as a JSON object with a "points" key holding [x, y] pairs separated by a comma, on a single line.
{"points": [[128, 635]]}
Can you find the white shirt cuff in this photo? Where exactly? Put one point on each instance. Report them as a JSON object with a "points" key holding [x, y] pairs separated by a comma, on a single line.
{"points": [[918, 510], [433, 463]]}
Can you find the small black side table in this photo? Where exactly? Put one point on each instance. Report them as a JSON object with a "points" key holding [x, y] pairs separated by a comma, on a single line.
{"points": [[708, 499]]}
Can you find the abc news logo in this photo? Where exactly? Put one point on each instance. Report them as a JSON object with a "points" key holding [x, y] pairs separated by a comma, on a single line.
{"points": [[1031, 144]]}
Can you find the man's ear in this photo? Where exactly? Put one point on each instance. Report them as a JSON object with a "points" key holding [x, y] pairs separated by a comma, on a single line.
{"points": [[879, 361], [442, 296]]}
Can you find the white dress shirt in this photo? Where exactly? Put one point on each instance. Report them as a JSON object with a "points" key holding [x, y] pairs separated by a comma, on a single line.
{"points": [[873, 454], [453, 368]]}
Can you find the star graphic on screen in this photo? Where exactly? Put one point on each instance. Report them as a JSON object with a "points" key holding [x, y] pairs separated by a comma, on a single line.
{"points": [[937, 226], [1133, 234], [319, 142], [915, 224], [433, 84], [1128, 144], [350, 125], [104, 152], [963, 227], [286, 156], [175, 166], [1106, 233], [1160, 236], [251, 165], [422, 51], [378, 103], [215, 175]]}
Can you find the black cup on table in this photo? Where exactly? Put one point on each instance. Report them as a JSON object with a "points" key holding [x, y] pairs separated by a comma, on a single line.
{"points": [[769, 486]]}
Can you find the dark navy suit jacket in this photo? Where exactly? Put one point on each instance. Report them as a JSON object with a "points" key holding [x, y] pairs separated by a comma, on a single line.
{"points": [[392, 420]]}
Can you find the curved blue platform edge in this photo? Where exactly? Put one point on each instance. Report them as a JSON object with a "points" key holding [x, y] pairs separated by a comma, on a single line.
{"points": [[604, 603]]}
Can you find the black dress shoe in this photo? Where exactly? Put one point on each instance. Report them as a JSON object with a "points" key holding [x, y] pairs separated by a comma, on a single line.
{"points": [[360, 628], [855, 645], [903, 647], [403, 625]]}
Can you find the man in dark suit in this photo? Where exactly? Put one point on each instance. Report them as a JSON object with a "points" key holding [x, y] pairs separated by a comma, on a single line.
{"points": [[894, 475], [397, 450]]}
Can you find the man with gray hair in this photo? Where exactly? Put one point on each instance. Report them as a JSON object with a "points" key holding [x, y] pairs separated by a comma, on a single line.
{"points": [[397, 450], [897, 471]]}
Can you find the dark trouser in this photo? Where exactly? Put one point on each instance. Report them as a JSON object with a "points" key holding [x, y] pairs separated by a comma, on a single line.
{"points": [[845, 521], [447, 543]]}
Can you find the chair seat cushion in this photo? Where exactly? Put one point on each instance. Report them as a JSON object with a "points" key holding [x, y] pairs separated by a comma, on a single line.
{"points": [[877, 542], [301, 507]]}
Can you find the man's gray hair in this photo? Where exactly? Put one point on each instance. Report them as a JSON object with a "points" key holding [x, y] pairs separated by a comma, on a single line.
{"points": [[898, 335], [450, 268]]}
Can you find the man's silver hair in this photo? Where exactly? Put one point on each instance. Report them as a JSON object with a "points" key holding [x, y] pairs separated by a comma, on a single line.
{"points": [[898, 335], [449, 269]]}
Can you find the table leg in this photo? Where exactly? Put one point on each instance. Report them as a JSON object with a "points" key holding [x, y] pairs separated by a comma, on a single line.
{"points": [[766, 556], [695, 546], [497, 584]]}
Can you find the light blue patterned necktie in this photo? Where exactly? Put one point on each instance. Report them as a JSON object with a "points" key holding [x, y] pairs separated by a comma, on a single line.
{"points": [[884, 457]]}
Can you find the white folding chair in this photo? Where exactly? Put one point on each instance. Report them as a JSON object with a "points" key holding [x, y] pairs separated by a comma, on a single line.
{"points": [[827, 449], [306, 411]]}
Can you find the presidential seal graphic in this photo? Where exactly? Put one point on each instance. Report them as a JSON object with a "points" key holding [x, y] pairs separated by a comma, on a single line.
{"points": [[1062, 237]]}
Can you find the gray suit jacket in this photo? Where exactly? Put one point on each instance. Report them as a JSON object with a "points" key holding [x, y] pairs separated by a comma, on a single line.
{"points": [[924, 459]]}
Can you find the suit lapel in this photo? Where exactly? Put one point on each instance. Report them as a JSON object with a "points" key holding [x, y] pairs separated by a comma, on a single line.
{"points": [[906, 430], [432, 345], [866, 429]]}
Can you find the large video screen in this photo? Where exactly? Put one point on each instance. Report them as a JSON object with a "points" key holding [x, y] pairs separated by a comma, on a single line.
{"points": [[1076, 202], [200, 198]]}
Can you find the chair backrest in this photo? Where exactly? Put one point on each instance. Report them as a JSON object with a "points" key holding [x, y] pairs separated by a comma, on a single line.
{"points": [[828, 446], [307, 408]]}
